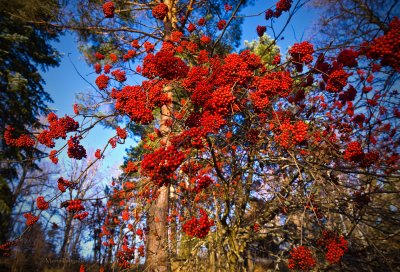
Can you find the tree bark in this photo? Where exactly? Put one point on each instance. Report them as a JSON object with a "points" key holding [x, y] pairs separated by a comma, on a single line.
{"points": [[157, 249]]}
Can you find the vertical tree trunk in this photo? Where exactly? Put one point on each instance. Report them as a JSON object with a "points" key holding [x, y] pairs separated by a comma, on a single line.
{"points": [[64, 246], [157, 251]]}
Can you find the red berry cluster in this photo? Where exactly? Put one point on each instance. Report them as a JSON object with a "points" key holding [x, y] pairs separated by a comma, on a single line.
{"points": [[30, 219], [63, 184], [201, 22], [125, 215], [138, 103], [113, 57], [290, 134], [349, 95], [139, 232], [205, 39], [160, 11], [107, 68], [125, 255], [269, 14], [81, 216], [97, 154], [191, 138], [135, 44], [121, 133], [198, 227], [176, 36], [353, 152], [261, 30], [164, 65], [131, 167], [302, 52], [52, 156], [119, 75], [348, 57], [221, 24], [335, 246], [202, 182], [387, 46], [97, 68], [283, 5], [22, 141], [41, 203], [108, 9], [337, 81], [256, 227], [227, 7], [191, 27], [127, 56], [102, 81], [161, 164], [235, 69], [75, 150], [148, 46], [99, 56], [211, 122], [301, 258], [221, 100], [276, 84], [190, 168], [75, 205], [59, 127]]}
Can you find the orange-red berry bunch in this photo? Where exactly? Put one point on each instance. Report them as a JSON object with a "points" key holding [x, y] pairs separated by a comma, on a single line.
{"points": [[102, 81], [81, 216], [290, 134], [75, 205], [348, 57], [387, 47], [283, 5], [160, 11], [161, 164], [353, 152], [119, 75], [108, 9], [335, 246], [41, 203], [63, 184], [202, 182], [221, 24], [301, 258], [337, 81], [121, 133], [198, 227], [22, 141], [275, 84], [221, 100], [124, 256], [138, 102], [302, 52], [59, 127], [131, 167], [75, 150], [164, 65], [53, 157], [30, 219]]}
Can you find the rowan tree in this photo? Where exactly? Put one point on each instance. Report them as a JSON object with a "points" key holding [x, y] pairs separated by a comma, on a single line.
{"points": [[291, 157]]}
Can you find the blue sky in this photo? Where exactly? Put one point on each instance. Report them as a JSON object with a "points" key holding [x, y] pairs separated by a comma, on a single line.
{"points": [[64, 82]]}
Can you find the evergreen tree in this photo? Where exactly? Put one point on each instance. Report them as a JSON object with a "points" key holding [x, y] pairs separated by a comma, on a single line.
{"points": [[24, 49]]}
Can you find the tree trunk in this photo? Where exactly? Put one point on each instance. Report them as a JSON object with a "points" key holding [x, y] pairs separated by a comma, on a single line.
{"points": [[157, 243], [157, 249]]}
